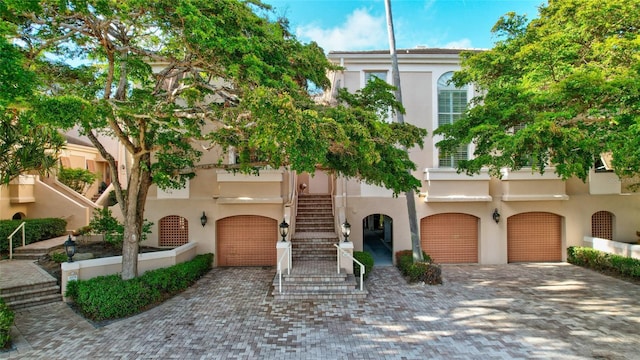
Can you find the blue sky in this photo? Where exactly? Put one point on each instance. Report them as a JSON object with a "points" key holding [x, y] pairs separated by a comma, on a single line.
{"points": [[361, 24]]}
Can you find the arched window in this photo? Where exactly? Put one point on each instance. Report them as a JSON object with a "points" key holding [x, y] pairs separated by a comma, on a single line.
{"points": [[174, 231], [602, 225], [452, 103]]}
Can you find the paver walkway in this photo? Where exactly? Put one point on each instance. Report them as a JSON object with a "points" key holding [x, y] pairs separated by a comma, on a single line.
{"points": [[521, 311]]}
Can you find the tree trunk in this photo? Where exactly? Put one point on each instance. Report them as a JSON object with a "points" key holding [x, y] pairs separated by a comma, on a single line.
{"points": [[133, 212], [410, 195]]}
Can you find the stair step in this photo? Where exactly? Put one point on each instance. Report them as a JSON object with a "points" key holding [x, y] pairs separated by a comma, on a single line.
{"points": [[30, 293], [41, 300]]}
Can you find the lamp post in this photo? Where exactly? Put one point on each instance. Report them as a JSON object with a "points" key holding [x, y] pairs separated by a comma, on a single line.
{"points": [[284, 230], [70, 248], [346, 230], [203, 219]]}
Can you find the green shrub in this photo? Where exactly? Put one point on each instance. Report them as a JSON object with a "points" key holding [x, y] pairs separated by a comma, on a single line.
{"points": [[425, 271], [601, 261], [110, 297], [6, 320], [59, 257], [34, 230], [77, 179], [366, 259], [105, 224]]}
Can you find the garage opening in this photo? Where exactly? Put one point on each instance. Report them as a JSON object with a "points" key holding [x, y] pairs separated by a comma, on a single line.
{"points": [[246, 240], [534, 237], [377, 232], [450, 238]]}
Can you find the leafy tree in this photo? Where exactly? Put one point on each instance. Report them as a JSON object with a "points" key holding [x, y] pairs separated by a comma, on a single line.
{"points": [[76, 179], [22, 137], [557, 91], [173, 78]]}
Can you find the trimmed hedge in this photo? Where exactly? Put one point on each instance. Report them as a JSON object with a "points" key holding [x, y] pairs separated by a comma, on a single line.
{"points": [[366, 259], [425, 271], [601, 261], [6, 320], [34, 230], [110, 297]]}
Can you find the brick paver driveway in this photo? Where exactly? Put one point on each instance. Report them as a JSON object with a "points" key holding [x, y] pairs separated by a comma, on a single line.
{"points": [[481, 312]]}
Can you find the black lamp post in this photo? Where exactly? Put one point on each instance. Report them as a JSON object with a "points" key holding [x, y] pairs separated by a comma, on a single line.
{"points": [[70, 248], [284, 230], [203, 219], [496, 216], [346, 230]]}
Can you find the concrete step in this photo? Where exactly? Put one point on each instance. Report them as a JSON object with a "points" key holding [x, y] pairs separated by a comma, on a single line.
{"points": [[317, 287], [35, 301], [31, 295]]}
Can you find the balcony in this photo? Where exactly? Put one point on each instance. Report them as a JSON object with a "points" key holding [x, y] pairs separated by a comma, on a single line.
{"points": [[446, 185], [21, 189], [265, 188], [524, 185], [604, 183]]}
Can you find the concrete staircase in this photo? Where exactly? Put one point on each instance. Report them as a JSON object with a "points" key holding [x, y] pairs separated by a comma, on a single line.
{"points": [[25, 296], [25, 284], [315, 233], [314, 274]]}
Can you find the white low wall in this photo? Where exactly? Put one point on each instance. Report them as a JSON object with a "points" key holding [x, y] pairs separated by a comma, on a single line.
{"points": [[612, 247], [87, 269]]}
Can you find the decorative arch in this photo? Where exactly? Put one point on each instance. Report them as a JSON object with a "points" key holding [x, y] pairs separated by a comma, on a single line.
{"points": [[173, 231], [450, 237], [18, 216], [377, 237], [602, 225]]}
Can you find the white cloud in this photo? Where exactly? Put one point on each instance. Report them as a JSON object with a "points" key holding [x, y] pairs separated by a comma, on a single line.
{"points": [[361, 31], [458, 44]]}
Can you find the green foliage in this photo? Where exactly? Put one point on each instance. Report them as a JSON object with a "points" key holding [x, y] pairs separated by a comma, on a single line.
{"points": [[76, 179], [425, 271], [35, 230], [102, 222], [366, 259], [110, 297], [6, 320], [23, 138], [601, 261], [153, 91], [59, 257], [557, 91]]}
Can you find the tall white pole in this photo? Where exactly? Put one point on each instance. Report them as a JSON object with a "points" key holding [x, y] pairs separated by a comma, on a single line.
{"points": [[410, 195]]}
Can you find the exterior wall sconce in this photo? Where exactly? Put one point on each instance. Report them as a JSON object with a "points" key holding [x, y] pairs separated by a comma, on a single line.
{"points": [[496, 216], [70, 248], [203, 219], [284, 230], [346, 230]]}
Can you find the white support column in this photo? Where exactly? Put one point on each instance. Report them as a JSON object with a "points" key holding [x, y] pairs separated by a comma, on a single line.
{"points": [[281, 248], [345, 262]]}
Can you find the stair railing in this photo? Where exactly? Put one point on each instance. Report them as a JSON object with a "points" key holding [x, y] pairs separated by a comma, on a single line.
{"points": [[287, 253], [353, 259], [10, 237]]}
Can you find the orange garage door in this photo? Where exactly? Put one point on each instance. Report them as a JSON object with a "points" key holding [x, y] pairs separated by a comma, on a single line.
{"points": [[534, 236], [450, 238], [246, 240]]}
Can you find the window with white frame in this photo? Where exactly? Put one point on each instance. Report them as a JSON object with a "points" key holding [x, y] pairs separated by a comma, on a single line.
{"points": [[452, 103], [380, 74]]}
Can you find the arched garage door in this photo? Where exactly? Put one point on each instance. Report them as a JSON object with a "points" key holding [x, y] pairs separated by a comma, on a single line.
{"points": [[246, 240], [534, 236], [450, 237]]}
